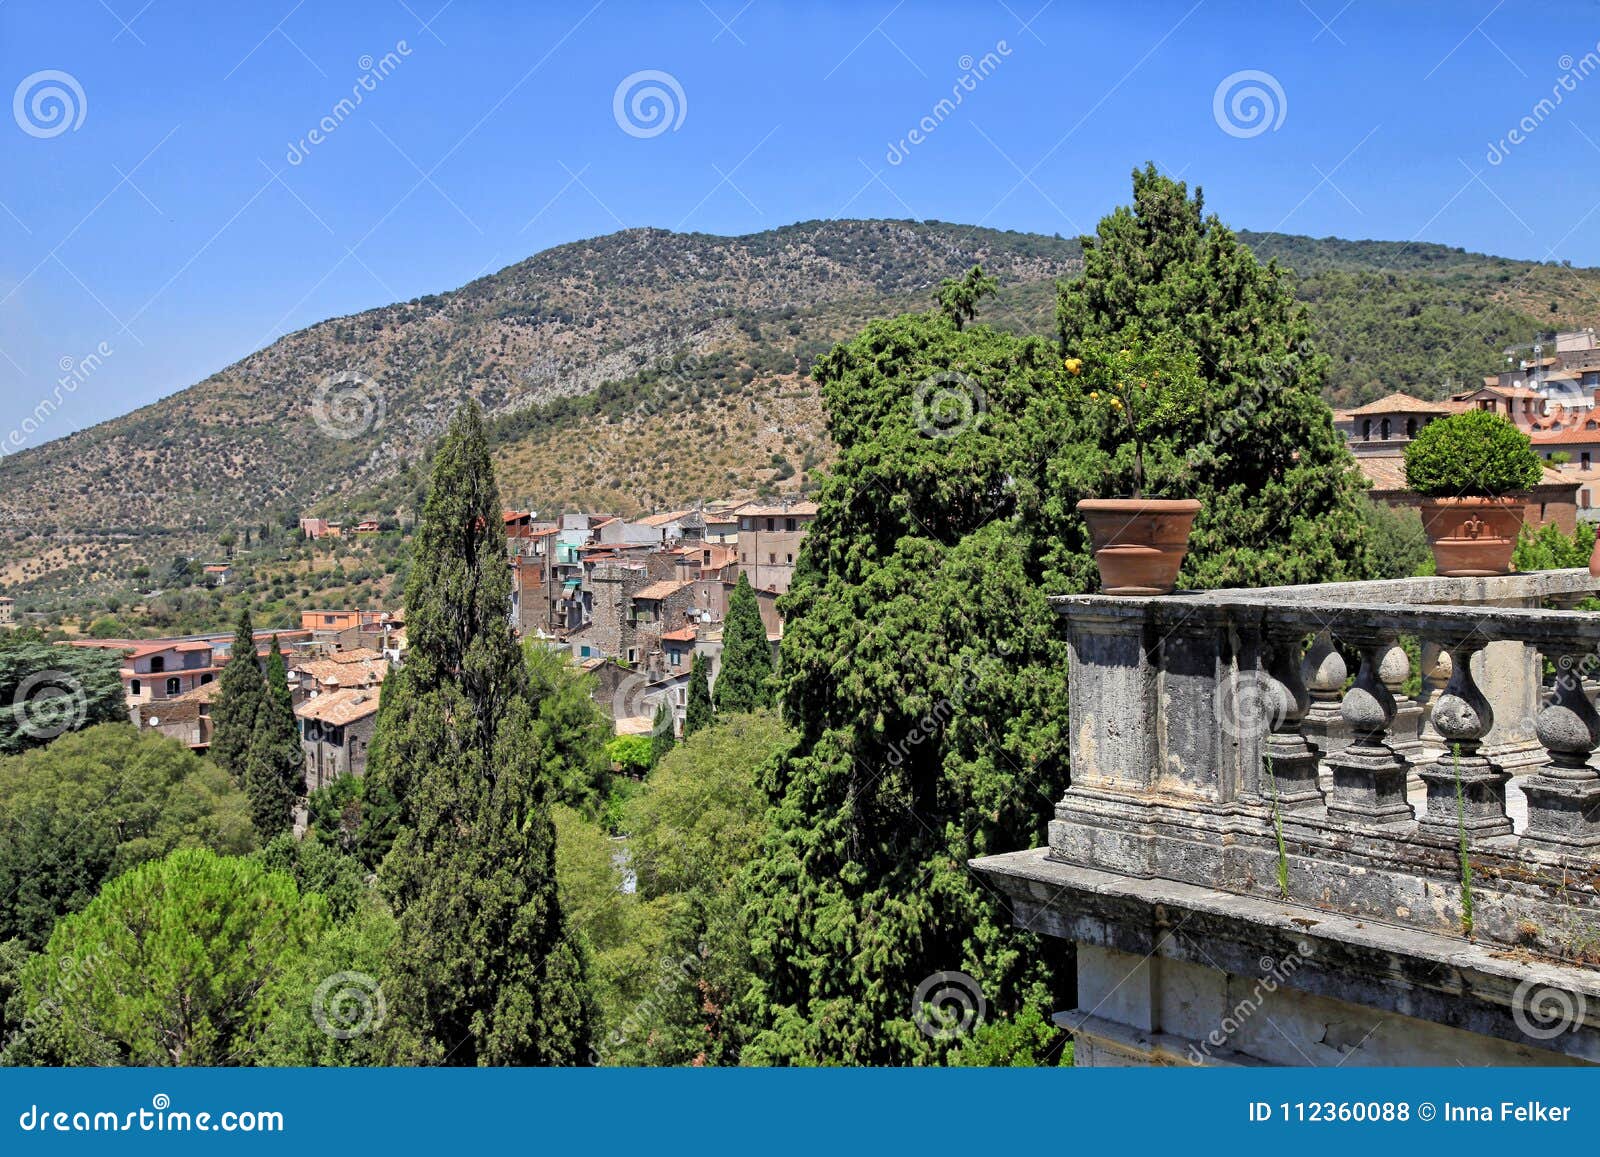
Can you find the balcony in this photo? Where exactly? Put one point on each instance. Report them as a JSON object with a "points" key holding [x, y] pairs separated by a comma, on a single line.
{"points": [[1239, 803]]}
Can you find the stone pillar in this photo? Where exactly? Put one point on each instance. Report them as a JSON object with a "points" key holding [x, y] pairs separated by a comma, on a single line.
{"points": [[1289, 761], [1466, 791], [1511, 677], [1369, 779], [1406, 734], [1324, 672], [1435, 674], [1564, 797]]}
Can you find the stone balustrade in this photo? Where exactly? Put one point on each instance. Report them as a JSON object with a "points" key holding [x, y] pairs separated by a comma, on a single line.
{"points": [[1248, 761]]}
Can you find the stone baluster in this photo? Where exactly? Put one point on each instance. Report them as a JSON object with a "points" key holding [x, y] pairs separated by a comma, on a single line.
{"points": [[1564, 796], [1289, 762], [1466, 791], [1435, 675], [1369, 779], [1324, 672], [1406, 732]]}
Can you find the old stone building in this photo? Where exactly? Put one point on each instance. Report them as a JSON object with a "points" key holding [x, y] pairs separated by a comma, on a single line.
{"points": [[336, 729]]}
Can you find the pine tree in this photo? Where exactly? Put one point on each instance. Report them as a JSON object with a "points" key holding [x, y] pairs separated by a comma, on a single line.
{"points": [[662, 739], [275, 764], [698, 713], [233, 715], [745, 681], [484, 970]]}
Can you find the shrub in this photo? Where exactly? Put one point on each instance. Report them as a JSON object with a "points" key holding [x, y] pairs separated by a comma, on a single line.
{"points": [[1475, 454]]}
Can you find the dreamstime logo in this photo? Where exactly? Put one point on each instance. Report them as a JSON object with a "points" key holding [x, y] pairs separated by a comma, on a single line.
{"points": [[1249, 102], [1250, 706], [74, 373], [48, 703], [947, 404], [48, 103], [1543, 1012], [373, 73], [634, 700], [1275, 974], [349, 1004], [973, 72], [347, 405], [948, 1005], [648, 103], [1573, 73]]}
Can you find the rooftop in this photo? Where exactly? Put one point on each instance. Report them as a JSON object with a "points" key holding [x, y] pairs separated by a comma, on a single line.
{"points": [[337, 708]]}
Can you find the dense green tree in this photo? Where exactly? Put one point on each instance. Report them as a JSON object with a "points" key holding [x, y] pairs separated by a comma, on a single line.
{"points": [[571, 728], [1398, 545], [46, 690], [958, 297], [275, 763], [1550, 548], [233, 713], [334, 1006], [181, 961], [693, 829], [483, 970], [744, 682], [633, 754], [1278, 485], [94, 804], [921, 663], [697, 712], [663, 731]]}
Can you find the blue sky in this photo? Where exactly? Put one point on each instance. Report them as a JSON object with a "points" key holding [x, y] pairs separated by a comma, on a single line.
{"points": [[180, 216]]}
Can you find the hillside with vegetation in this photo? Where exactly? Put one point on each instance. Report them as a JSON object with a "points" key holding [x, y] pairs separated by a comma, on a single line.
{"points": [[640, 370]]}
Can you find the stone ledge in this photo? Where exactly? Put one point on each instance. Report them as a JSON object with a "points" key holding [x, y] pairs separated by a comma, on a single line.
{"points": [[1406, 971]]}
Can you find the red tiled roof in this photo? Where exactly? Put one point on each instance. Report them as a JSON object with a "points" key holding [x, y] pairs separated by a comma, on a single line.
{"points": [[682, 635], [340, 707], [1398, 403], [659, 590]]}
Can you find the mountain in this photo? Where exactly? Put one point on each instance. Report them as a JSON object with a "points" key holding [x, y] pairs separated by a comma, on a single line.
{"points": [[648, 368]]}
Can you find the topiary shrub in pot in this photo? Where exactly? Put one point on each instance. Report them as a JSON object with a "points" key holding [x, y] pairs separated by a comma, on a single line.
{"points": [[1473, 471]]}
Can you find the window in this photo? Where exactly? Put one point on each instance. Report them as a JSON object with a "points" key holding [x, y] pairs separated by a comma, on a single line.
{"points": [[1585, 459], [788, 524], [772, 524], [174, 687], [135, 686], [1384, 430], [1366, 429], [789, 558], [772, 558], [1411, 427], [675, 657], [327, 620], [1583, 501], [206, 678], [745, 523], [633, 655], [157, 665]]}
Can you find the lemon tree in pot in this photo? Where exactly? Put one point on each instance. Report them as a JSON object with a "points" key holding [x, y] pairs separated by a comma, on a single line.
{"points": [[1473, 471], [1139, 542]]}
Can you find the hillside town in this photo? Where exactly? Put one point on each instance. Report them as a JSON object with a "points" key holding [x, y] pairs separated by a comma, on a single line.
{"points": [[1550, 391], [630, 601]]}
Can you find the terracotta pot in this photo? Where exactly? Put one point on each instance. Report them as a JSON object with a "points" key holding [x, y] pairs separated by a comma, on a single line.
{"points": [[1139, 543], [1472, 537], [1594, 560]]}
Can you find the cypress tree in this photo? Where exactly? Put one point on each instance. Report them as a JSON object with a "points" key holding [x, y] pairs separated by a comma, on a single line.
{"points": [[484, 971], [662, 739], [233, 715], [275, 765], [745, 682], [698, 713]]}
